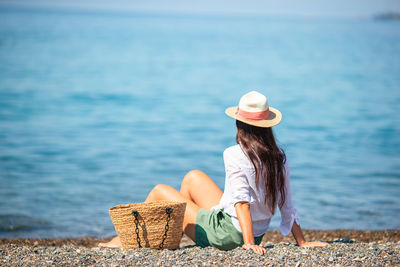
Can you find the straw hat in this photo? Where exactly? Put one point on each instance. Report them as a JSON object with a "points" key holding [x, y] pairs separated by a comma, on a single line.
{"points": [[253, 109]]}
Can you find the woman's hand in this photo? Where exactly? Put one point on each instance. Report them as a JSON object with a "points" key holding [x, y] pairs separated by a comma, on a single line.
{"points": [[314, 244], [256, 248], [298, 235]]}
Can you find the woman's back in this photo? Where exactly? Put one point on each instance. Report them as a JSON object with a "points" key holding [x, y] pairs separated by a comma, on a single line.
{"points": [[240, 186]]}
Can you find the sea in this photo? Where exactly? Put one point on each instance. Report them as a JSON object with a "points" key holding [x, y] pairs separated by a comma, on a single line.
{"points": [[98, 107]]}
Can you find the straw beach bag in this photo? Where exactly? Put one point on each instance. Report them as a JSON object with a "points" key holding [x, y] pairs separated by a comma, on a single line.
{"points": [[153, 225]]}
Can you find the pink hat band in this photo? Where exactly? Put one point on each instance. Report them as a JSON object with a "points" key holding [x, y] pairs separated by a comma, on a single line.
{"points": [[253, 116]]}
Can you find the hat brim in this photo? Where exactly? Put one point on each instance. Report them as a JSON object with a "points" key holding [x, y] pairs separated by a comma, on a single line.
{"points": [[274, 118]]}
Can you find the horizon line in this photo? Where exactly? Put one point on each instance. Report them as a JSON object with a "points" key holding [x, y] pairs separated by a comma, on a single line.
{"points": [[143, 12]]}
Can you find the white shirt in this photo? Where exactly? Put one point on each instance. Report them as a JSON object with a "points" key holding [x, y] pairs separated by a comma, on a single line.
{"points": [[240, 186]]}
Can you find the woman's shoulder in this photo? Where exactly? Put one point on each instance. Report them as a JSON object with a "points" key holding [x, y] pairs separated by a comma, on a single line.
{"points": [[232, 149], [235, 154], [235, 151]]}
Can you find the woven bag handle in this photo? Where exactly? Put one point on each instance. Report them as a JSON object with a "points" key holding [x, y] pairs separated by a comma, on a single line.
{"points": [[168, 211]]}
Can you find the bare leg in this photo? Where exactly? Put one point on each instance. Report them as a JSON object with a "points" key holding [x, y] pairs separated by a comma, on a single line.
{"points": [[166, 192], [201, 189]]}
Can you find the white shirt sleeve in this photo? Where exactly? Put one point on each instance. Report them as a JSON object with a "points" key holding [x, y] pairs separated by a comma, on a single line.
{"points": [[288, 211], [239, 185]]}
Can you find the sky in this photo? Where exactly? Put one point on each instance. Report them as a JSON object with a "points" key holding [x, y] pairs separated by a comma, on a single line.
{"points": [[317, 8]]}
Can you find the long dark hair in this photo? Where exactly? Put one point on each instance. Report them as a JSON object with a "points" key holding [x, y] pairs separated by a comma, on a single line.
{"points": [[267, 158]]}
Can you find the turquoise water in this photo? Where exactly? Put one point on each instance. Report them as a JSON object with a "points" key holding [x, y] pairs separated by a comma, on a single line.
{"points": [[97, 108]]}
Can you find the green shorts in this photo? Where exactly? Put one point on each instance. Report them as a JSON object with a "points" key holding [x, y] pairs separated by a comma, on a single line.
{"points": [[215, 228]]}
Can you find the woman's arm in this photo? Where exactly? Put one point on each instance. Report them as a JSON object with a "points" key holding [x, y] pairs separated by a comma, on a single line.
{"points": [[244, 217], [298, 235], [289, 217]]}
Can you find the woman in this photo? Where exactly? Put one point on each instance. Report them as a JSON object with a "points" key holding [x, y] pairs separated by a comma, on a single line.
{"points": [[257, 181]]}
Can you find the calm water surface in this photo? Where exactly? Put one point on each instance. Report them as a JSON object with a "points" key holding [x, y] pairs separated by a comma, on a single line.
{"points": [[96, 109]]}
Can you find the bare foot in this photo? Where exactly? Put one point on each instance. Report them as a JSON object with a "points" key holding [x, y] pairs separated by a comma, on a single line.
{"points": [[114, 243]]}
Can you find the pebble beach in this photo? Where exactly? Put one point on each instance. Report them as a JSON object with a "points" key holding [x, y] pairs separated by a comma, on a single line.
{"points": [[347, 248]]}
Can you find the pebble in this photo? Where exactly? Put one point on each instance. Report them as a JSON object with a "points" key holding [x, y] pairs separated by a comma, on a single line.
{"points": [[280, 254]]}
